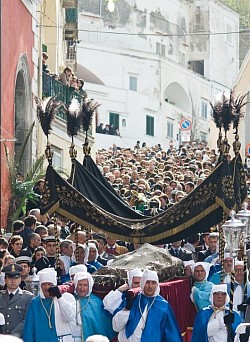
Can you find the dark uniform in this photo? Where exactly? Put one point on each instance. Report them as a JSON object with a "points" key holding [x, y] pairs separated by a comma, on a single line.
{"points": [[14, 303]]}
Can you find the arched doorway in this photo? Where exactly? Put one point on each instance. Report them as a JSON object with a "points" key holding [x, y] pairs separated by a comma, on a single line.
{"points": [[23, 113]]}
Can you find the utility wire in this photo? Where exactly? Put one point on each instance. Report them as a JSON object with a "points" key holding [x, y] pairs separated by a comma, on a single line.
{"points": [[191, 34]]}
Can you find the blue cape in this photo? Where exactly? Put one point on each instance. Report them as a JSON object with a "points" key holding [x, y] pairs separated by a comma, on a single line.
{"points": [[201, 294], [95, 319], [161, 324], [201, 322]]}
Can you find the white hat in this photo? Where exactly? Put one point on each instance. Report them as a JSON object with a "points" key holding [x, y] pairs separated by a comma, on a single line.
{"points": [[227, 256], [86, 252], [97, 338], [133, 273], [66, 261], [219, 288], [205, 265], [188, 263], [92, 245], [81, 276], [76, 269], [150, 275], [47, 275], [238, 263]]}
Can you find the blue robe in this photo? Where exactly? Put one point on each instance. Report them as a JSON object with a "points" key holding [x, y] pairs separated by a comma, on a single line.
{"points": [[96, 264], [201, 322], [161, 324], [36, 327], [201, 294], [95, 319], [216, 278]]}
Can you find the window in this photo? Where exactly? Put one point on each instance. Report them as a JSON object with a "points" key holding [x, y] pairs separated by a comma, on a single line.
{"points": [[133, 83], [149, 125], [124, 124], [203, 137], [161, 49], [170, 129], [44, 48], [204, 109], [114, 119], [57, 158]]}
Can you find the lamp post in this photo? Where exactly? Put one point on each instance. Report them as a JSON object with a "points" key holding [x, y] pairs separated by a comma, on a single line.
{"points": [[244, 216], [233, 230]]}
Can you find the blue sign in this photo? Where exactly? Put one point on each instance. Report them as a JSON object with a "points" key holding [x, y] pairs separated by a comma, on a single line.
{"points": [[185, 124], [248, 149]]}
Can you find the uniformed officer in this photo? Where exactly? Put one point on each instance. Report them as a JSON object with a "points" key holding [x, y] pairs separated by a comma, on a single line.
{"points": [[14, 302], [25, 262]]}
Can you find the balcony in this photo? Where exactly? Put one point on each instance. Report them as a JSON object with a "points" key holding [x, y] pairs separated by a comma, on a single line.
{"points": [[69, 4], [52, 87]]}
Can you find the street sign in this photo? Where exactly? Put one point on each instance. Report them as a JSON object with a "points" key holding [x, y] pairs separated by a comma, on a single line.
{"points": [[185, 124], [185, 136], [248, 150]]}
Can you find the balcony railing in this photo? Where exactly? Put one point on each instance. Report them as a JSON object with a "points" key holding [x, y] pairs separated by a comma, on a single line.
{"points": [[52, 87]]}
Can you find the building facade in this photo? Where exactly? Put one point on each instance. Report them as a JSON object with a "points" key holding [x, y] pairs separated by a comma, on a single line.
{"points": [[153, 64], [18, 86]]}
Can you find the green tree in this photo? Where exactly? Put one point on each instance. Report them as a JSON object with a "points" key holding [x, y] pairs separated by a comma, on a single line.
{"points": [[243, 8], [21, 190]]}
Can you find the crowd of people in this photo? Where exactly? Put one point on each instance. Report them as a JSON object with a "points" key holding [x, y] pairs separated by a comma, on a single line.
{"points": [[67, 77], [107, 129], [68, 310]]}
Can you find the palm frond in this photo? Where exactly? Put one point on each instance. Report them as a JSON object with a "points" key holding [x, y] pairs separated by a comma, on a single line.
{"points": [[19, 155]]}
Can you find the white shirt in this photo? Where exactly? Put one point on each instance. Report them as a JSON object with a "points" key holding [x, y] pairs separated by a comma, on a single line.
{"points": [[119, 323], [112, 301], [216, 329], [238, 298]]}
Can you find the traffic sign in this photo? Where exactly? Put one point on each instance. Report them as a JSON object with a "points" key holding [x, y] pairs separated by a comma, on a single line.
{"points": [[185, 124], [248, 149]]}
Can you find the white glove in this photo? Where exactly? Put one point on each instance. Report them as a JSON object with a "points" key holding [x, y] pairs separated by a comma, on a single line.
{"points": [[222, 324]]}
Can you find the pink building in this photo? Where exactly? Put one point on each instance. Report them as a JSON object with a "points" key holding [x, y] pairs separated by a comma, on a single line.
{"points": [[17, 68]]}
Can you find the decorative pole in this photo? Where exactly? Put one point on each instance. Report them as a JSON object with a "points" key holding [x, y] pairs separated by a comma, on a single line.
{"points": [[221, 252], [57, 263], [77, 244]]}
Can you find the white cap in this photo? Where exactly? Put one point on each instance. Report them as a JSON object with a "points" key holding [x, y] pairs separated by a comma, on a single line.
{"points": [[205, 265], [238, 263], [133, 273], [227, 256], [150, 275], [188, 263], [219, 288], [76, 269], [81, 276], [97, 338], [47, 275]]}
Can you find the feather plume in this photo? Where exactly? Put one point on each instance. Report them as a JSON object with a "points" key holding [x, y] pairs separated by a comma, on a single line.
{"points": [[222, 110], [46, 111], [86, 114], [216, 115], [238, 103], [72, 113]]}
